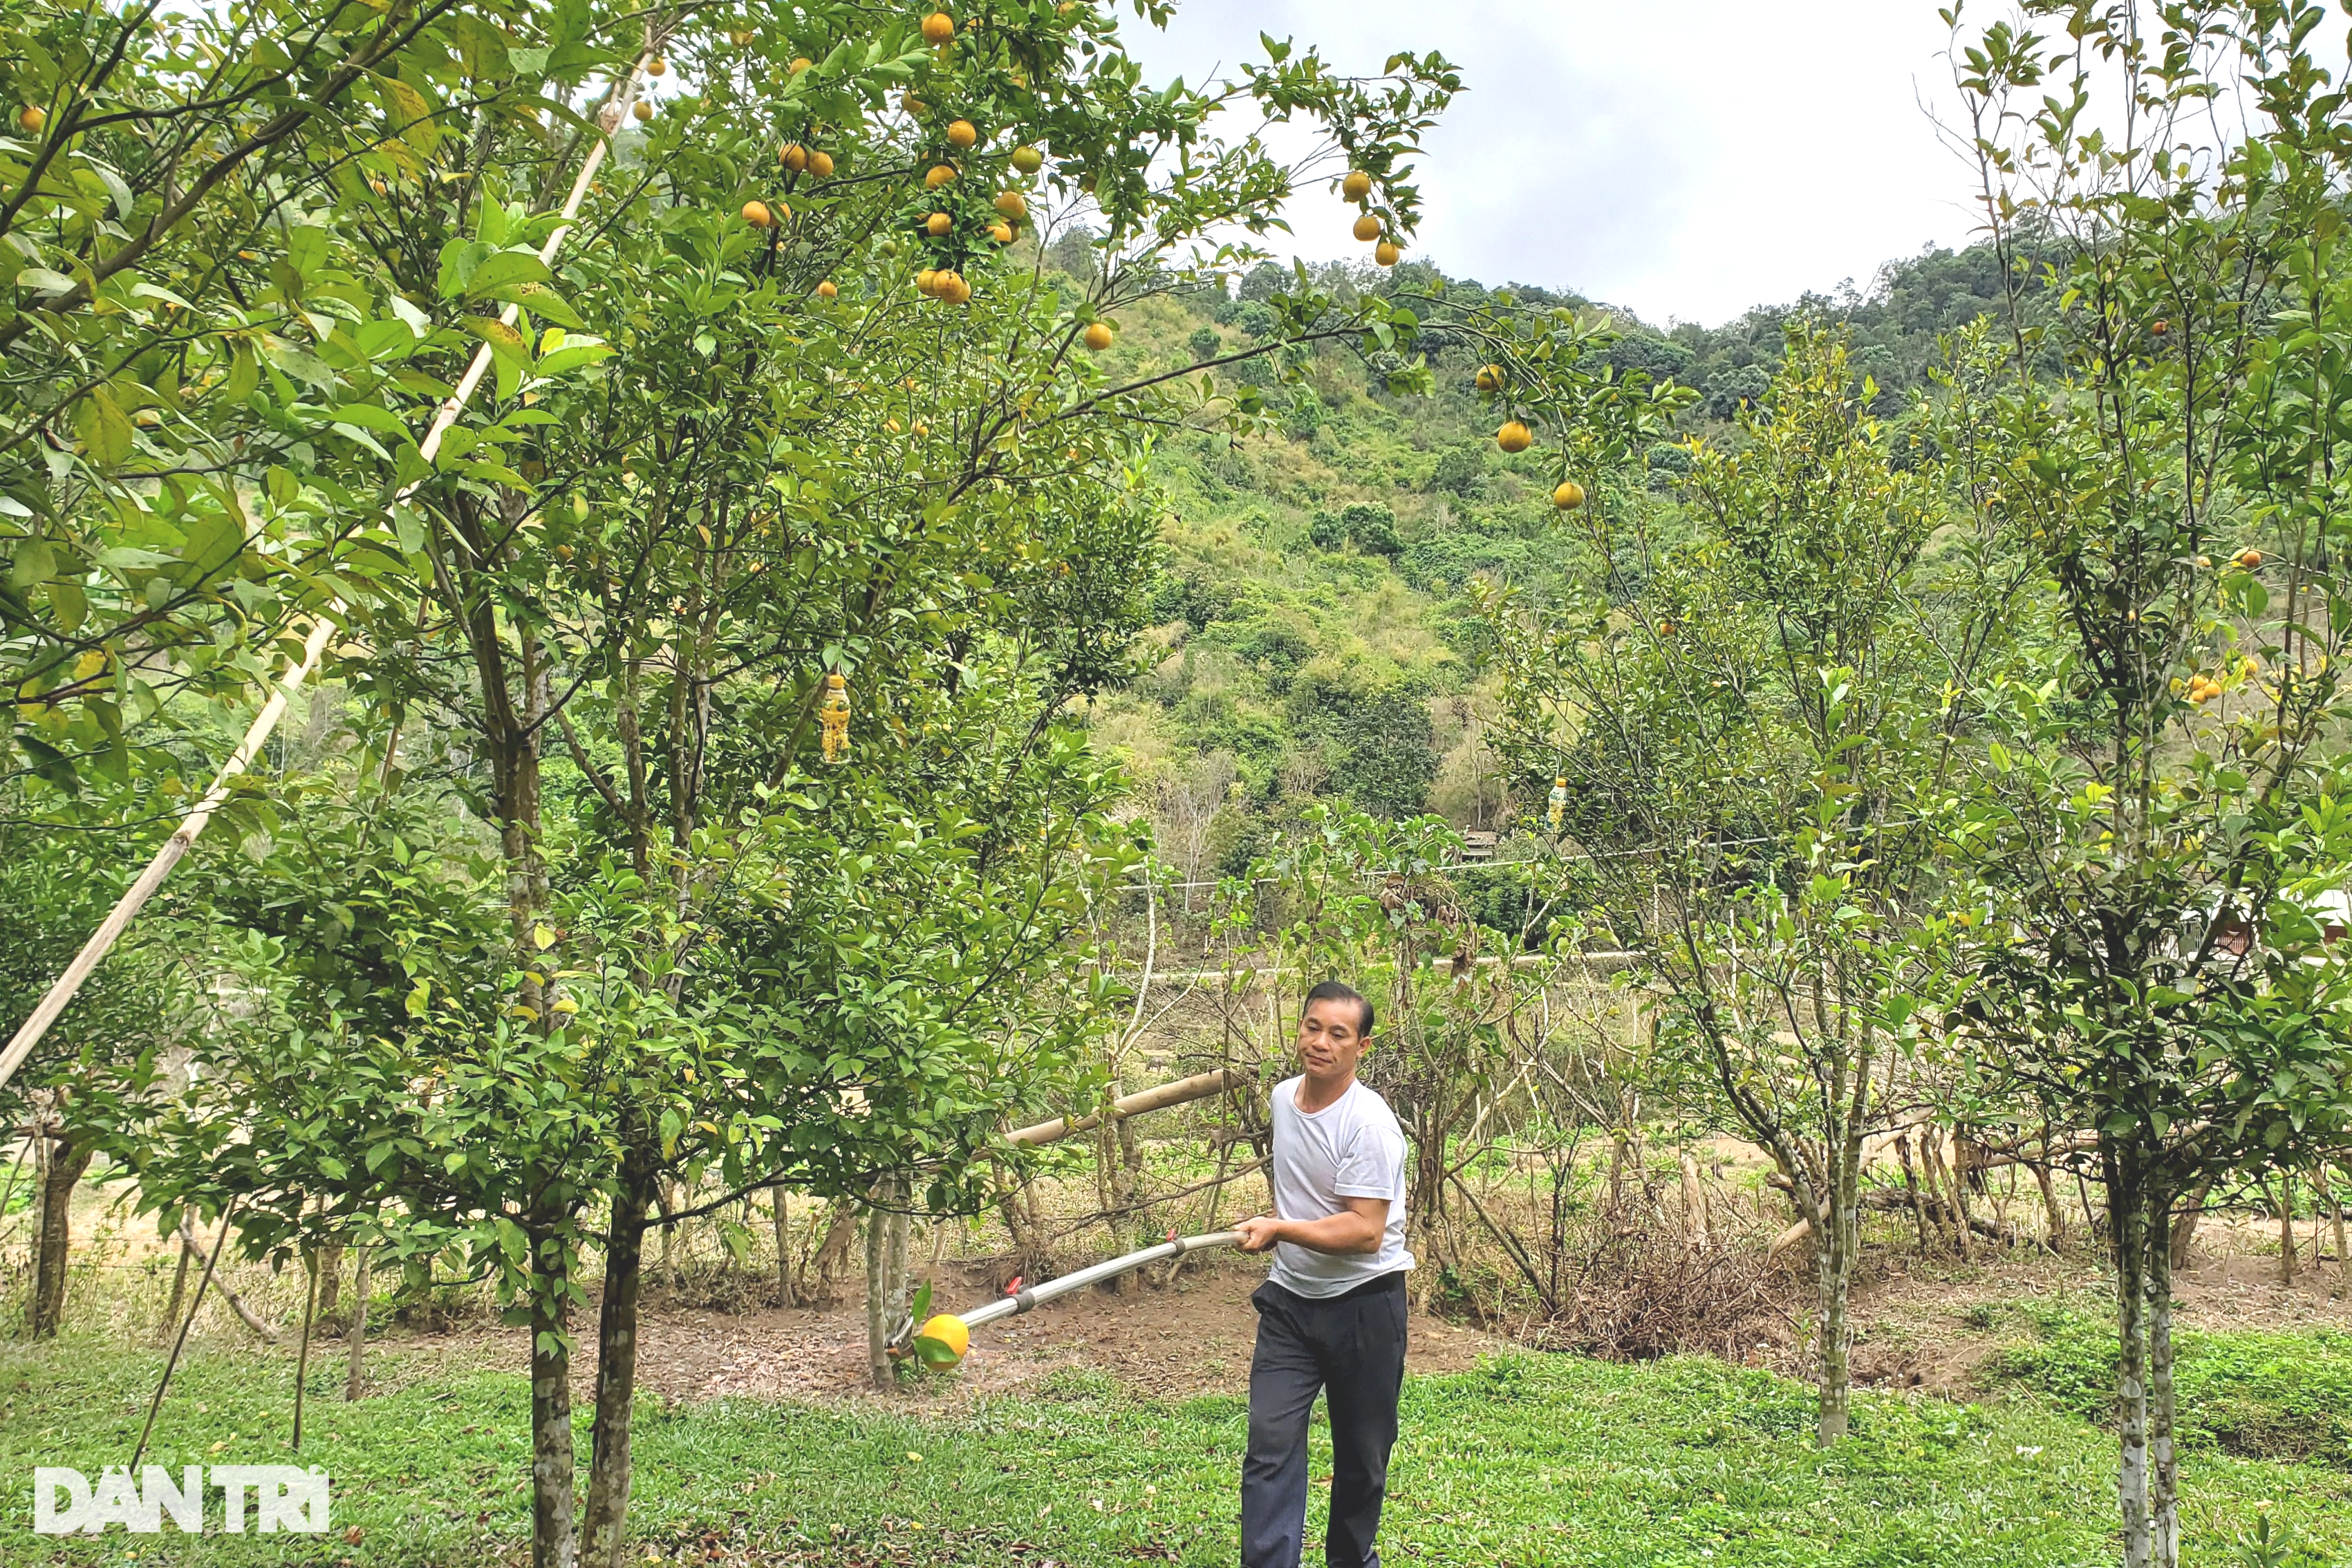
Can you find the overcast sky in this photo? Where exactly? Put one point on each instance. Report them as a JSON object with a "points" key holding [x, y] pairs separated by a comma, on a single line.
{"points": [[1684, 158]]}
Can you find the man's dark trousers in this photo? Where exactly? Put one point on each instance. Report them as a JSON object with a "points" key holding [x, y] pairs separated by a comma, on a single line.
{"points": [[1351, 1347]]}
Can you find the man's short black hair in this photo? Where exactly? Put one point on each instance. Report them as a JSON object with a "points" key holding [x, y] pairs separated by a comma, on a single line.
{"points": [[1337, 990]]}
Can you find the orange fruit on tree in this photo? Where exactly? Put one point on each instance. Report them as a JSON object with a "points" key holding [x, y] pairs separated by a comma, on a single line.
{"points": [[1356, 185], [1367, 227], [792, 157], [950, 1332], [1386, 254], [1568, 496], [821, 163], [1098, 335], [799, 65], [926, 280], [31, 118], [1010, 204], [938, 27], [378, 186], [937, 224], [938, 174], [960, 290], [757, 214], [1001, 232], [656, 66], [1490, 378], [2249, 559], [825, 291], [1514, 436], [962, 133], [913, 105], [642, 110], [1028, 159]]}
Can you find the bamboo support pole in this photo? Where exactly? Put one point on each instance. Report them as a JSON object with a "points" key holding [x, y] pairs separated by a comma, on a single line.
{"points": [[127, 908], [1183, 1092]]}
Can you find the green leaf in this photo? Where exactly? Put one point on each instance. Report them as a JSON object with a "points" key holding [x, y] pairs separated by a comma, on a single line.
{"points": [[106, 430], [504, 269]]}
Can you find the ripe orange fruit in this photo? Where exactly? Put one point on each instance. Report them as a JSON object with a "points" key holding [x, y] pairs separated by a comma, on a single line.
{"points": [[1569, 496], [1514, 436], [792, 157], [954, 290], [1490, 378], [2160, 327], [378, 186], [656, 66], [799, 65], [642, 110], [937, 224], [1001, 232], [938, 27], [962, 133], [926, 280], [1367, 227], [1028, 159], [821, 165], [940, 175], [1012, 207], [950, 1332], [825, 291], [2249, 559], [1099, 336], [1386, 254], [757, 214], [913, 105], [1356, 185], [31, 118]]}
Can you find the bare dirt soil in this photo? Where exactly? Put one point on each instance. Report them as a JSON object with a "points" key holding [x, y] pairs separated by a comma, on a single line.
{"points": [[1192, 1338]]}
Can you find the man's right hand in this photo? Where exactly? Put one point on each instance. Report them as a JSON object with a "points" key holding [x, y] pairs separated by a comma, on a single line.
{"points": [[1259, 1234]]}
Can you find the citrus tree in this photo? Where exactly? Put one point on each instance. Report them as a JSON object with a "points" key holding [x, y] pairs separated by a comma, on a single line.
{"points": [[793, 509], [1747, 734], [2160, 819]]}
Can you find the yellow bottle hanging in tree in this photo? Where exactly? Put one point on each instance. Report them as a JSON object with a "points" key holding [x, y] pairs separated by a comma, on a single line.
{"points": [[833, 714], [1559, 801]]}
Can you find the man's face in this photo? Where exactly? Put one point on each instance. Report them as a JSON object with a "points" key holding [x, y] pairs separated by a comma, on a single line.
{"points": [[1330, 1037]]}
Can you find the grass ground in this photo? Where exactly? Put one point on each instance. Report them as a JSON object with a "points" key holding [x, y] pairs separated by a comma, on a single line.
{"points": [[1532, 1462]]}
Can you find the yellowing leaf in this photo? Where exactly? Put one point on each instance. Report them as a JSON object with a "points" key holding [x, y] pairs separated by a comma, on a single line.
{"points": [[544, 936], [88, 664]]}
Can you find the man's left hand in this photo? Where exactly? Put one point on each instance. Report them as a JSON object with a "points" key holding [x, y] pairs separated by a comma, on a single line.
{"points": [[1259, 1234]]}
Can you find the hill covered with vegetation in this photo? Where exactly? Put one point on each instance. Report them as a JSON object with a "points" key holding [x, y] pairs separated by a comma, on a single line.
{"points": [[1318, 635]]}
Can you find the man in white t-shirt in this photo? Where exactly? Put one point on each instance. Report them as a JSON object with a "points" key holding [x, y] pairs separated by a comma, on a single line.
{"points": [[1331, 1315]]}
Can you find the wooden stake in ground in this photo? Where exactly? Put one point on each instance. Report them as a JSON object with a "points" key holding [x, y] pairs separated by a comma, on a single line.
{"points": [[179, 1291], [302, 1357], [186, 1323], [358, 1340], [784, 1252]]}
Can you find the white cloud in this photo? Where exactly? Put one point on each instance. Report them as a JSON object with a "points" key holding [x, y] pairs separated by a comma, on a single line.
{"points": [[1687, 160]]}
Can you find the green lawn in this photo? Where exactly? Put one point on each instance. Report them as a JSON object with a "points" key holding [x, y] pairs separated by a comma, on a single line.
{"points": [[1529, 1462]]}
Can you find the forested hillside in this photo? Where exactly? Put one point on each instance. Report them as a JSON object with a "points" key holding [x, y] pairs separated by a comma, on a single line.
{"points": [[1318, 636]]}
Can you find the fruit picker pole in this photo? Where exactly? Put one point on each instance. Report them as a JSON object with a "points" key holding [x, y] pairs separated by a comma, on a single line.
{"points": [[1019, 1299], [1022, 1298], [110, 929]]}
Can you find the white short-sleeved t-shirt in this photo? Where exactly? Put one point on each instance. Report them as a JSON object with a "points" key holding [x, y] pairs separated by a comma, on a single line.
{"points": [[1352, 1147]]}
